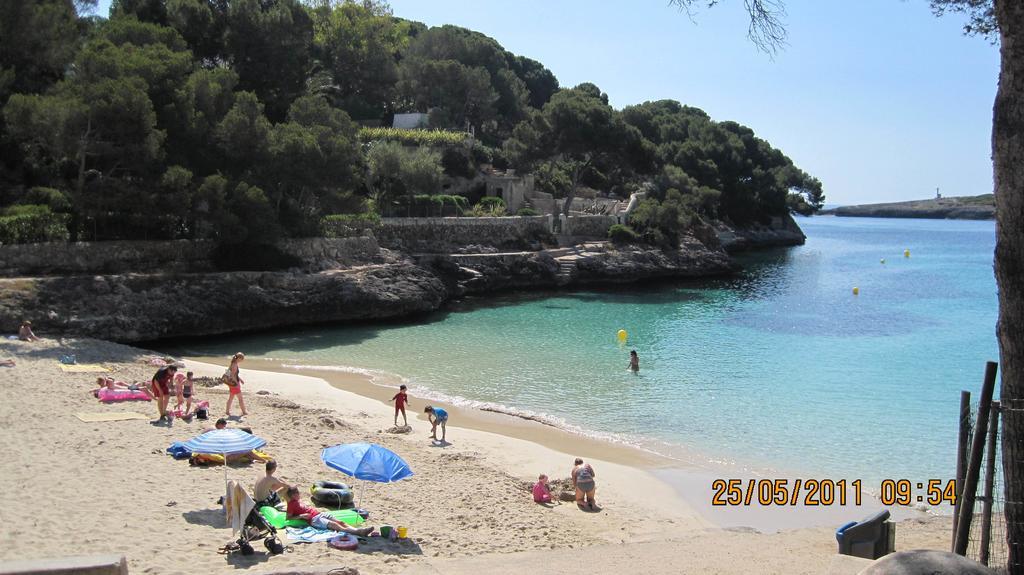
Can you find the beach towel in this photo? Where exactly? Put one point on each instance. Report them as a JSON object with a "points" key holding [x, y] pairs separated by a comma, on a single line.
{"points": [[82, 368], [108, 395], [237, 505], [309, 534], [113, 416]]}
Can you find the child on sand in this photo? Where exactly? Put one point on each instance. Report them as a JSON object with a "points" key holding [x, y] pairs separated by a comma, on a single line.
{"points": [[436, 416], [234, 381], [318, 520], [541, 494], [184, 387], [401, 399]]}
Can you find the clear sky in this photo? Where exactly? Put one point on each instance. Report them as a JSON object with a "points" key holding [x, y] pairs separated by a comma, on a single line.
{"points": [[878, 98]]}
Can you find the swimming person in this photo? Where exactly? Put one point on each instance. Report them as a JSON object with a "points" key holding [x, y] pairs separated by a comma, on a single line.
{"points": [[436, 416], [634, 362]]}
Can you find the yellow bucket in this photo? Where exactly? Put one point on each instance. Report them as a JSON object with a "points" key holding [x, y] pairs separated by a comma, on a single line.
{"points": [[403, 532]]}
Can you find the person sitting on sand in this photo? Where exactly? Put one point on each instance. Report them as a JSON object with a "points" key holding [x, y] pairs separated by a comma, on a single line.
{"points": [[436, 416], [541, 494], [317, 519], [634, 362], [583, 480], [25, 332], [269, 488], [234, 382], [161, 388], [223, 424], [401, 399]]}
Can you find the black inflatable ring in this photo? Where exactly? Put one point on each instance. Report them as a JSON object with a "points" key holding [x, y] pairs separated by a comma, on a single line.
{"points": [[331, 493]]}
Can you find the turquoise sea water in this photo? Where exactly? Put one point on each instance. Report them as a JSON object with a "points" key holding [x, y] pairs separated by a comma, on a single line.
{"points": [[780, 367]]}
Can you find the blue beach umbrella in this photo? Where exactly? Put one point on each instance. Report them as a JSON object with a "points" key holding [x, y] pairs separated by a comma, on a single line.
{"points": [[366, 461], [224, 442]]}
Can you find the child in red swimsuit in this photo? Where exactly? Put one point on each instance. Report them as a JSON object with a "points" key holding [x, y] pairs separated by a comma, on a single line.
{"points": [[401, 399]]}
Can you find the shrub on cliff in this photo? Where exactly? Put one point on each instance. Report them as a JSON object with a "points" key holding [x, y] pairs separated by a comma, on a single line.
{"points": [[622, 234], [31, 224]]}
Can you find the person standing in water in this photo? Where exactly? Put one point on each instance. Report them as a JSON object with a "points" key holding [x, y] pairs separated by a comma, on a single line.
{"points": [[634, 362]]}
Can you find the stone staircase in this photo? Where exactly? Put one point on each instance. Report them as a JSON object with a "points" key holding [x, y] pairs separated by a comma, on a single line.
{"points": [[566, 269]]}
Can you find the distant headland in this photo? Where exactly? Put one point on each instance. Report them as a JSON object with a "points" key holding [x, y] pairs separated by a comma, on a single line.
{"points": [[981, 207]]}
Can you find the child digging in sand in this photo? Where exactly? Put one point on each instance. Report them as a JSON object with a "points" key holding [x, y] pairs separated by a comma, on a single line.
{"points": [[401, 399], [318, 520], [541, 494], [436, 416]]}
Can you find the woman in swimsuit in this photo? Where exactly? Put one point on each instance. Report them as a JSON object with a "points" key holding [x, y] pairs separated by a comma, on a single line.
{"points": [[583, 481], [234, 381]]}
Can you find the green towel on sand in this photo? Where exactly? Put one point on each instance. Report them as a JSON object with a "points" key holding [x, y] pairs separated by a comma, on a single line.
{"points": [[279, 519]]}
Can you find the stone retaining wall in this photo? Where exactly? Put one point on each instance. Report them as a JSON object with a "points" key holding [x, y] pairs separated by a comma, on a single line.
{"points": [[445, 235], [168, 256], [589, 226]]}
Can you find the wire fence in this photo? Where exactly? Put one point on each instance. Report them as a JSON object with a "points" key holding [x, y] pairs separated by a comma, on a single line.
{"points": [[987, 540]]}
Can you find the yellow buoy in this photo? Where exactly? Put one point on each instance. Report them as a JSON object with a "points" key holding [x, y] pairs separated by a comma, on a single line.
{"points": [[906, 253], [622, 335], [856, 291], [882, 260]]}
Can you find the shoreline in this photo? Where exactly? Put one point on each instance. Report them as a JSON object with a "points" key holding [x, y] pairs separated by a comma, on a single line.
{"points": [[467, 503], [689, 481]]}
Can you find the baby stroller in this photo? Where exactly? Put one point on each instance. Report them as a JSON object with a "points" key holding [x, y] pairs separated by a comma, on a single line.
{"points": [[253, 527], [257, 527]]}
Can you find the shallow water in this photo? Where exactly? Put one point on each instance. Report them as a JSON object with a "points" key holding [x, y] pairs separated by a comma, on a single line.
{"points": [[779, 368]]}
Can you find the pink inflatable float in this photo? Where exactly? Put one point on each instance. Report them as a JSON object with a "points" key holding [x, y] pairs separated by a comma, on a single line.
{"points": [[347, 542]]}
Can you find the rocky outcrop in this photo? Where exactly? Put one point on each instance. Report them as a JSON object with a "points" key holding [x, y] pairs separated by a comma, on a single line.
{"points": [[629, 264], [137, 307], [585, 264], [780, 232], [966, 208]]}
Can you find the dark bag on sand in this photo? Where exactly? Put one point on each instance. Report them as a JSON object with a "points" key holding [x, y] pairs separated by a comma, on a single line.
{"points": [[201, 413]]}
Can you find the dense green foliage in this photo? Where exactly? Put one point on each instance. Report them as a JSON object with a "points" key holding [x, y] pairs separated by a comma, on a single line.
{"points": [[622, 234], [240, 121]]}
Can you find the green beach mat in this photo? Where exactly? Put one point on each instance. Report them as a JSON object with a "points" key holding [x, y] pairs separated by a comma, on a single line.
{"points": [[279, 519]]}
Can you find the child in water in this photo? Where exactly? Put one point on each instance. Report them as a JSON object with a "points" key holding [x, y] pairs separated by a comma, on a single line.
{"points": [[401, 399], [634, 362]]}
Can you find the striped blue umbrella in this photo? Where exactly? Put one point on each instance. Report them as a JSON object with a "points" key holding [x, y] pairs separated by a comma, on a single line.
{"points": [[224, 442]]}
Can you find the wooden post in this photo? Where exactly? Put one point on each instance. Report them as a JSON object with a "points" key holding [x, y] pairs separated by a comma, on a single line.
{"points": [[963, 525], [961, 457], [990, 472]]}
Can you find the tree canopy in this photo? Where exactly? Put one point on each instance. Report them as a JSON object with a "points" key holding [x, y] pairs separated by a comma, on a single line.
{"points": [[240, 121]]}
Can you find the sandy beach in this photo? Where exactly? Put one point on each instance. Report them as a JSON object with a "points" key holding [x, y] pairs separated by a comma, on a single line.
{"points": [[109, 487]]}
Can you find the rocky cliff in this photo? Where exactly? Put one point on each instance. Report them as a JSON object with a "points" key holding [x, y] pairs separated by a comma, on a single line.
{"points": [[371, 284], [141, 307]]}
